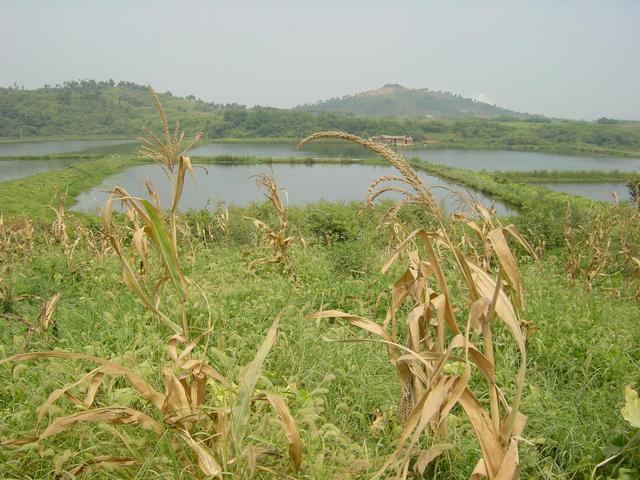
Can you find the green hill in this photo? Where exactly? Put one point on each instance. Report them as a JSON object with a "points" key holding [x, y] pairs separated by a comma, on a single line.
{"points": [[89, 107], [397, 101], [86, 108]]}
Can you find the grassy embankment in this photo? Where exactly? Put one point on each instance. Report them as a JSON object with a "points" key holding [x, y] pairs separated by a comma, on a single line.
{"points": [[577, 176], [29, 196], [450, 138]]}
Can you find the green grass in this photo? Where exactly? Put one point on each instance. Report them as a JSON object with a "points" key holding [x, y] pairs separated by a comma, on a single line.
{"points": [[29, 196], [578, 176], [583, 349]]}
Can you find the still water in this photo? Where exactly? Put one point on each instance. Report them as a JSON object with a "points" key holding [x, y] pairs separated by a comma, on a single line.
{"points": [[596, 191], [468, 159], [233, 185], [51, 148], [16, 168]]}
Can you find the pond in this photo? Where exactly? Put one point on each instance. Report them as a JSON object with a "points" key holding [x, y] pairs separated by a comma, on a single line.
{"points": [[16, 168], [303, 183], [469, 159], [55, 147], [595, 191]]}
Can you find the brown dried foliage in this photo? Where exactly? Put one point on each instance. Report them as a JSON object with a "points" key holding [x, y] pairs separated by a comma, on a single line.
{"points": [[43, 321], [605, 241], [435, 351], [277, 238], [16, 239]]}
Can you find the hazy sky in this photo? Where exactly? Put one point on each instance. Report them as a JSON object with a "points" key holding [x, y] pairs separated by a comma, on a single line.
{"points": [[577, 59]]}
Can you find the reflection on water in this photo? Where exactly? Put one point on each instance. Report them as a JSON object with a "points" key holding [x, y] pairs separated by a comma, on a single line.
{"points": [[232, 184], [596, 191], [468, 159], [14, 169], [50, 148]]}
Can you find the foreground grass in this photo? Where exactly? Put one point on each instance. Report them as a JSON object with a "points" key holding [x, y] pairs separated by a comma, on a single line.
{"points": [[583, 348]]}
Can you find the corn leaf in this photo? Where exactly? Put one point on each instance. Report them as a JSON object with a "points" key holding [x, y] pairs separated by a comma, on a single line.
{"points": [[167, 250], [247, 383]]}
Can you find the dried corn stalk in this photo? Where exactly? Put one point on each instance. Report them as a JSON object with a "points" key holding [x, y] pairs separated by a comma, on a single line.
{"points": [[278, 238], [59, 226], [16, 239], [439, 352], [636, 265], [186, 410], [222, 219], [42, 322], [589, 247], [199, 408]]}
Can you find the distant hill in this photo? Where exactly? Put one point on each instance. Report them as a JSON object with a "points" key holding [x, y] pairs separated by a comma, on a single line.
{"points": [[106, 108], [394, 100], [89, 107]]}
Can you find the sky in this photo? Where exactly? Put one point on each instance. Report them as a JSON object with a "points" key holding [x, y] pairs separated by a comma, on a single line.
{"points": [[563, 58]]}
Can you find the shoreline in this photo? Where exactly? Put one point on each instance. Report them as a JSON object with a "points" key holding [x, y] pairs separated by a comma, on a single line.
{"points": [[580, 150]]}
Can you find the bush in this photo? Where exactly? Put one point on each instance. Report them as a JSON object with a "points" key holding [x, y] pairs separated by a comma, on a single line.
{"points": [[329, 224]]}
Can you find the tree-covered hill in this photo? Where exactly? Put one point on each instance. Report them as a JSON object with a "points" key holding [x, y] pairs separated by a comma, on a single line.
{"points": [[88, 107], [397, 101]]}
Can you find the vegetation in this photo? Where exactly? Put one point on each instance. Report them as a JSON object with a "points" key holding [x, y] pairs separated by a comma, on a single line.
{"points": [[572, 176], [582, 349], [278, 240], [104, 108], [163, 355], [429, 391], [397, 101]]}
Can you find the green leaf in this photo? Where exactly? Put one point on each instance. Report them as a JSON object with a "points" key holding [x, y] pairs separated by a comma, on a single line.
{"points": [[167, 249], [631, 409], [247, 383]]}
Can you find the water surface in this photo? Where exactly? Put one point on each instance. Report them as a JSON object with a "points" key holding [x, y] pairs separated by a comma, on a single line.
{"points": [[468, 159], [595, 191], [233, 185], [51, 148], [16, 168]]}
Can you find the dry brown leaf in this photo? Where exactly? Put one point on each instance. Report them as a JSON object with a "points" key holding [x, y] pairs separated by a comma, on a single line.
{"points": [[117, 415], [290, 429], [101, 460], [206, 461]]}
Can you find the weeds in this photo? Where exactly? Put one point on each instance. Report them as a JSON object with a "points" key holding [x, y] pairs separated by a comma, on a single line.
{"points": [[41, 324], [604, 244], [16, 239]]}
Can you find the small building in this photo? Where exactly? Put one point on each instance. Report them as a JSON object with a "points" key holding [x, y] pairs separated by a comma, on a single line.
{"points": [[393, 140]]}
